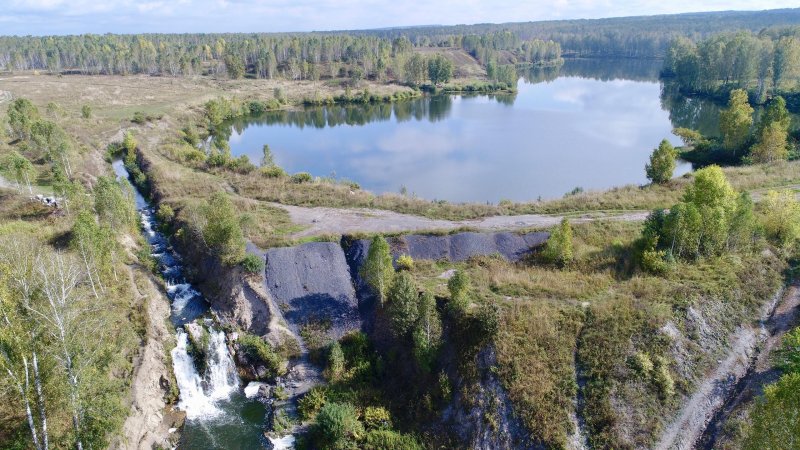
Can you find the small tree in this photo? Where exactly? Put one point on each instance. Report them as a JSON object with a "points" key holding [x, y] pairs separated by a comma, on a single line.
{"points": [[86, 112], [459, 285], [335, 368], [440, 70], [781, 218], [772, 144], [662, 163], [558, 249], [427, 333], [403, 304], [377, 271], [267, 160], [736, 120], [222, 232]]}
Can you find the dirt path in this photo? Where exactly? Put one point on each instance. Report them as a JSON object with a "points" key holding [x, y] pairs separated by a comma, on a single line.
{"points": [[712, 393], [324, 220], [761, 372]]}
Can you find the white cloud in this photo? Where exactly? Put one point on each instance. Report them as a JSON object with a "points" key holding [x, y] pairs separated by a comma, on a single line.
{"points": [[48, 16]]}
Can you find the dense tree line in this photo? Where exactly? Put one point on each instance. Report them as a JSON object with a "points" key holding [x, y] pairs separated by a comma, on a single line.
{"points": [[374, 53], [762, 64], [631, 37], [307, 56]]}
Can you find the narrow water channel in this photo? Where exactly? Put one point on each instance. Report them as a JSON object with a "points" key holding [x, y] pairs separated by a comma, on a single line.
{"points": [[221, 413]]}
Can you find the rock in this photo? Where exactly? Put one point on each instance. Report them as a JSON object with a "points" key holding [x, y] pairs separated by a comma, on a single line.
{"points": [[311, 282], [447, 274]]}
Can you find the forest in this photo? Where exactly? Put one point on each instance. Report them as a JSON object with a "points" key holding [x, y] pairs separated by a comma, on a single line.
{"points": [[763, 64]]}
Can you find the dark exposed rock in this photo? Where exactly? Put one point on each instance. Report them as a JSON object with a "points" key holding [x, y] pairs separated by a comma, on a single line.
{"points": [[311, 282]]}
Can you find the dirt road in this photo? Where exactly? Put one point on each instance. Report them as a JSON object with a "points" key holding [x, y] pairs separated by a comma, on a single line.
{"points": [[323, 220]]}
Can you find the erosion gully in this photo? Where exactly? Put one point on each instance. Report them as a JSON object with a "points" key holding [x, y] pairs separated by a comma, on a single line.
{"points": [[221, 413]]}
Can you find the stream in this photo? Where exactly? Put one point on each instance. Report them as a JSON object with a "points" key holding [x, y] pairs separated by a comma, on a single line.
{"points": [[221, 413]]}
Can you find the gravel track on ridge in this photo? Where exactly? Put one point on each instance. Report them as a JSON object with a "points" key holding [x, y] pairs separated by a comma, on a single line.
{"points": [[325, 220]]}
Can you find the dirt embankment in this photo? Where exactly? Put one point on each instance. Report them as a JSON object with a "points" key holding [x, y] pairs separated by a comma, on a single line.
{"points": [[746, 358], [150, 419], [761, 372]]}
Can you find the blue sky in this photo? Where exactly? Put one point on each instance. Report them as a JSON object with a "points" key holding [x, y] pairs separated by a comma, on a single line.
{"points": [[38, 17]]}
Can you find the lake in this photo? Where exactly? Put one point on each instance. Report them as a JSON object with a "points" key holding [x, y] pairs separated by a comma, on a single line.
{"points": [[590, 124]]}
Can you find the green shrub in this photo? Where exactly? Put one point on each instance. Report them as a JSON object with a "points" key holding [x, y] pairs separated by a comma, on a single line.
{"points": [[139, 118], [787, 357], [256, 348], [273, 172], [459, 285], [387, 439], [217, 159], [165, 214], [663, 379], [377, 418], [309, 404], [641, 364], [405, 262], [302, 177], [337, 427], [252, 263], [335, 367], [558, 249], [86, 112]]}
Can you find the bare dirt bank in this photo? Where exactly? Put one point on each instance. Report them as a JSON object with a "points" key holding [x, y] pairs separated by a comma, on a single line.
{"points": [[150, 419], [750, 347]]}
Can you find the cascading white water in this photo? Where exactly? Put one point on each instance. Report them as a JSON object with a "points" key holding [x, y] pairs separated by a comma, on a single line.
{"points": [[199, 394], [283, 443], [221, 373], [193, 399]]}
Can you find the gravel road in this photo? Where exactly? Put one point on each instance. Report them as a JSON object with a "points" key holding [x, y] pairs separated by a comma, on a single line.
{"points": [[324, 220]]}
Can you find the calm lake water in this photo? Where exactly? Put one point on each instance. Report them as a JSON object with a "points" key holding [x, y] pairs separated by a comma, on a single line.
{"points": [[589, 124]]}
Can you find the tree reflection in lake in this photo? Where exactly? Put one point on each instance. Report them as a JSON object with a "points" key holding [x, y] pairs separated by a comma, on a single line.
{"points": [[592, 124]]}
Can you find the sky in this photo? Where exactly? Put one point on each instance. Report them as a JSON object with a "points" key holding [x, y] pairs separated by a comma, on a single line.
{"points": [[43, 17]]}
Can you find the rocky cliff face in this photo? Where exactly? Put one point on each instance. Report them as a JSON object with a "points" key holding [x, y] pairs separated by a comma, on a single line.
{"points": [[481, 413]]}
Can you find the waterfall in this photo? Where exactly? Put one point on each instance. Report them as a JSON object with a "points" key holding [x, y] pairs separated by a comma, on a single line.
{"points": [[193, 398], [221, 373], [199, 394]]}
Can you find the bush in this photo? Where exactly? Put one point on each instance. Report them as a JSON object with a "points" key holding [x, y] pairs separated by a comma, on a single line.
{"points": [[377, 418], [309, 405], [165, 214], [386, 439], [139, 118], [458, 285], [641, 364], [273, 172], [337, 427], [258, 349], [788, 356], [252, 263], [86, 112], [662, 163], [302, 177], [663, 379], [558, 249], [405, 262], [335, 367]]}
